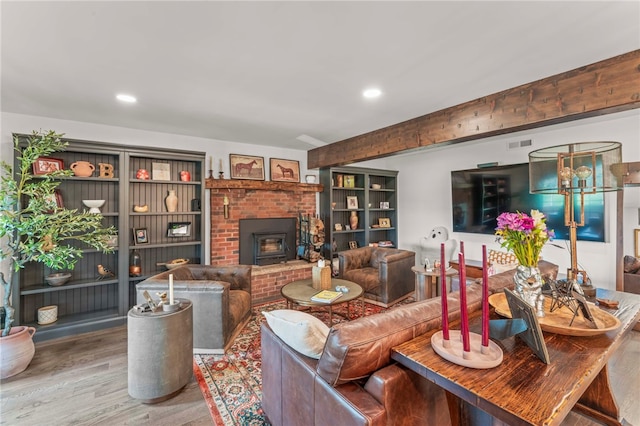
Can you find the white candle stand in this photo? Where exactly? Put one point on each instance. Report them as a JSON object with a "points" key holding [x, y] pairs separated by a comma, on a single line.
{"points": [[479, 356], [166, 307]]}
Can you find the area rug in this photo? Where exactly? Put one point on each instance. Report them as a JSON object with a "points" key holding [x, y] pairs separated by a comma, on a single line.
{"points": [[232, 383]]}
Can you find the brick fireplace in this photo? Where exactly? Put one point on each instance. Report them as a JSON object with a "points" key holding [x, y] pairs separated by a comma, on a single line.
{"points": [[252, 200]]}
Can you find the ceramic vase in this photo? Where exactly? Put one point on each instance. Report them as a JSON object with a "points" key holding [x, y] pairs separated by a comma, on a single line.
{"points": [[171, 201], [353, 220], [82, 168], [528, 285], [16, 351]]}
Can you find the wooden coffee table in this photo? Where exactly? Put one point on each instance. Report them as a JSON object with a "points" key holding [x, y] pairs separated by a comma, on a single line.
{"points": [[522, 390], [300, 293]]}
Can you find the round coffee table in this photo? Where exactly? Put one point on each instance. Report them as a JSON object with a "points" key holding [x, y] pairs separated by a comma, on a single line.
{"points": [[300, 293]]}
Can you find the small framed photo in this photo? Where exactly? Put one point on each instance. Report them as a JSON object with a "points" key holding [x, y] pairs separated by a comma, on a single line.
{"points": [[112, 240], [46, 165], [179, 229], [160, 171], [284, 170], [349, 181], [637, 241], [384, 204], [384, 222], [247, 167], [337, 227], [140, 236], [353, 245], [352, 202]]}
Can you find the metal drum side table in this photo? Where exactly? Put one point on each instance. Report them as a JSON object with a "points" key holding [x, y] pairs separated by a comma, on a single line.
{"points": [[160, 352]]}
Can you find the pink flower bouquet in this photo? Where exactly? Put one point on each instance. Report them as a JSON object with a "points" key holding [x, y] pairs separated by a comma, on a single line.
{"points": [[524, 235]]}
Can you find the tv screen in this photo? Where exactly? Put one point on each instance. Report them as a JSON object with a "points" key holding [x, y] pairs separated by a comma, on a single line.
{"points": [[479, 196]]}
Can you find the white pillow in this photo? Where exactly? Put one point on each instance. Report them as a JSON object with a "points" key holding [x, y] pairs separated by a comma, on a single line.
{"points": [[302, 332], [497, 268]]}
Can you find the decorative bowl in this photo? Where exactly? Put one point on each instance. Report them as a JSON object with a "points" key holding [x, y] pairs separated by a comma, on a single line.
{"points": [[175, 263], [58, 278], [47, 314], [376, 186], [94, 205]]}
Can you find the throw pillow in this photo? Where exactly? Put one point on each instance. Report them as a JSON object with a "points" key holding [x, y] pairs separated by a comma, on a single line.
{"points": [[497, 268], [631, 265], [302, 332], [501, 257]]}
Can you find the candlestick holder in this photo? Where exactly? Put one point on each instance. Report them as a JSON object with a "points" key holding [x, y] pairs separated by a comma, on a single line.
{"points": [[171, 307], [221, 175], [210, 174], [480, 357]]}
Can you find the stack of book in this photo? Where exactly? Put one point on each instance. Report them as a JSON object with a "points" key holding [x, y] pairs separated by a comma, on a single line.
{"points": [[385, 244], [326, 296]]}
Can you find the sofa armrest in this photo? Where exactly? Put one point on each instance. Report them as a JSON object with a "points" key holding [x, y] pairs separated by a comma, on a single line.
{"points": [[395, 274], [632, 283]]}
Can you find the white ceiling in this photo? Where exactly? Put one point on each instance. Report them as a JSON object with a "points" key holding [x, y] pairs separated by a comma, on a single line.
{"points": [[267, 72]]}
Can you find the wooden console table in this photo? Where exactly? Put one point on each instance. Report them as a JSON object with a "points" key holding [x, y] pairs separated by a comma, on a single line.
{"points": [[523, 390], [473, 268]]}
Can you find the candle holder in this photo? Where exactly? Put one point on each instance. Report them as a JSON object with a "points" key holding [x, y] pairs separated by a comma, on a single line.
{"points": [[220, 174], [166, 307], [210, 174], [480, 357]]}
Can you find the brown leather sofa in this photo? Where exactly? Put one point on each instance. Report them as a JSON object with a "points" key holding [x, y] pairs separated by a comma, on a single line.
{"points": [[221, 297], [631, 279], [384, 273], [355, 382]]}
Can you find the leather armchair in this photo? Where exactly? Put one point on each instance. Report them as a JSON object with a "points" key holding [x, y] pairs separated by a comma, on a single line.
{"points": [[221, 297], [384, 273]]}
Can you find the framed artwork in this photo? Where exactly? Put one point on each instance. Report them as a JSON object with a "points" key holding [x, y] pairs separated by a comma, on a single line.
{"points": [[160, 171], [384, 222], [637, 241], [179, 229], [140, 236], [337, 227], [349, 181], [247, 167], [532, 336], [46, 165], [353, 245], [384, 204], [112, 240], [352, 202], [56, 198], [284, 170]]}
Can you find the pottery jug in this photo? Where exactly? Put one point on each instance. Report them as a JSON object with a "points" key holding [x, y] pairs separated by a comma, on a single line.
{"points": [[353, 220], [16, 351], [171, 201], [82, 168]]}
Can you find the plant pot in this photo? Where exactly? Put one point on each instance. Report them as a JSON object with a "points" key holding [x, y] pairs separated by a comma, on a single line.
{"points": [[16, 351]]}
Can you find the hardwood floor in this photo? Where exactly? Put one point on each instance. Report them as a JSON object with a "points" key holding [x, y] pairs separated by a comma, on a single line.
{"points": [[83, 381]]}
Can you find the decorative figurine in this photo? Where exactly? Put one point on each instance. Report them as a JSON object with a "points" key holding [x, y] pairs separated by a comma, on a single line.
{"points": [[106, 170], [104, 272]]}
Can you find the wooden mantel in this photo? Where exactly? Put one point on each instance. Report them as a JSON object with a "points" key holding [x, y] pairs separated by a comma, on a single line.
{"points": [[262, 185]]}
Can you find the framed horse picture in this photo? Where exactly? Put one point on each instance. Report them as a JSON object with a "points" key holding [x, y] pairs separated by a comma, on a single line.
{"points": [[284, 170], [246, 167]]}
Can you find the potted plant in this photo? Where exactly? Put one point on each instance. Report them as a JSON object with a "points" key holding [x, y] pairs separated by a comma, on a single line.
{"points": [[33, 228]]}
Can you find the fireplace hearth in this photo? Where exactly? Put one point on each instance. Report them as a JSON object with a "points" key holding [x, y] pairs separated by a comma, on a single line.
{"points": [[267, 241]]}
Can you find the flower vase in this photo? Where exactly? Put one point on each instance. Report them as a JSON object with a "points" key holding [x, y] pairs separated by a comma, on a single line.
{"points": [[353, 220], [171, 201], [529, 287]]}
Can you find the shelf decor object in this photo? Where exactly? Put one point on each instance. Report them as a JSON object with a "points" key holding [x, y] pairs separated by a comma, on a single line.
{"points": [[576, 170]]}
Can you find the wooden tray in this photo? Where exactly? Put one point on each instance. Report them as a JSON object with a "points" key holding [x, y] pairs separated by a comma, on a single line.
{"points": [[558, 320]]}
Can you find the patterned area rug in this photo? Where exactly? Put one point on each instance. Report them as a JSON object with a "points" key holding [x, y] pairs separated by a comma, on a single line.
{"points": [[232, 383]]}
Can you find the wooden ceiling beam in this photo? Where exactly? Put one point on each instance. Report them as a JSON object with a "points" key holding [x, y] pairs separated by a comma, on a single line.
{"points": [[608, 86]]}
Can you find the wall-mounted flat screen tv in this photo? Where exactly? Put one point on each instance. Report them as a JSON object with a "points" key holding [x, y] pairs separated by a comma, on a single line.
{"points": [[479, 196]]}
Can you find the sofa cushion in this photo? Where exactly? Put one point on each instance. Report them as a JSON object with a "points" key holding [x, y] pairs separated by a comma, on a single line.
{"points": [[631, 265], [367, 278], [304, 333], [501, 257]]}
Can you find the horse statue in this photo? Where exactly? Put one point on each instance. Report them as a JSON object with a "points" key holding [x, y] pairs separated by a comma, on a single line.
{"points": [[245, 166]]}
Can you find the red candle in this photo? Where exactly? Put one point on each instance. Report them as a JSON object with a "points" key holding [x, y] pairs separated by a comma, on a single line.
{"points": [[464, 316], [462, 247], [485, 298], [443, 295]]}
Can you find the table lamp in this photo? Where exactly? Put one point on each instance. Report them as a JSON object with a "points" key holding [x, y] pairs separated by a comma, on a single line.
{"points": [[575, 170]]}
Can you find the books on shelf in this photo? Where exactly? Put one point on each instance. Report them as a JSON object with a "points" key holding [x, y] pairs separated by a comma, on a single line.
{"points": [[326, 296], [385, 244]]}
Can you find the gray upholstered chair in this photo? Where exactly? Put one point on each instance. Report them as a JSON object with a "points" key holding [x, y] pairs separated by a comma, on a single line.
{"points": [[221, 297], [384, 273]]}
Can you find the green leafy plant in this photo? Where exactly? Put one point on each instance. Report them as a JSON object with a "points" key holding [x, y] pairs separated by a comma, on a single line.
{"points": [[32, 226]]}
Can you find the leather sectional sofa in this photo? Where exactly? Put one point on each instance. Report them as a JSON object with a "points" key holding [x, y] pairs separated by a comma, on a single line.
{"points": [[354, 381]]}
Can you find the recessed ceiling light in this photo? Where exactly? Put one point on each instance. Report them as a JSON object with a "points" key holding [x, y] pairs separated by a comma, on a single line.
{"points": [[126, 98], [371, 93]]}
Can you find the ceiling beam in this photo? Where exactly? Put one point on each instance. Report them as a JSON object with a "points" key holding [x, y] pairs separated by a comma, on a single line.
{"points": [[609, 86]]}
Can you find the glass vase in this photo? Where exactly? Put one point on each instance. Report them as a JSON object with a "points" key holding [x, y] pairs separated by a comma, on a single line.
{"points": [[528, 285]]}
